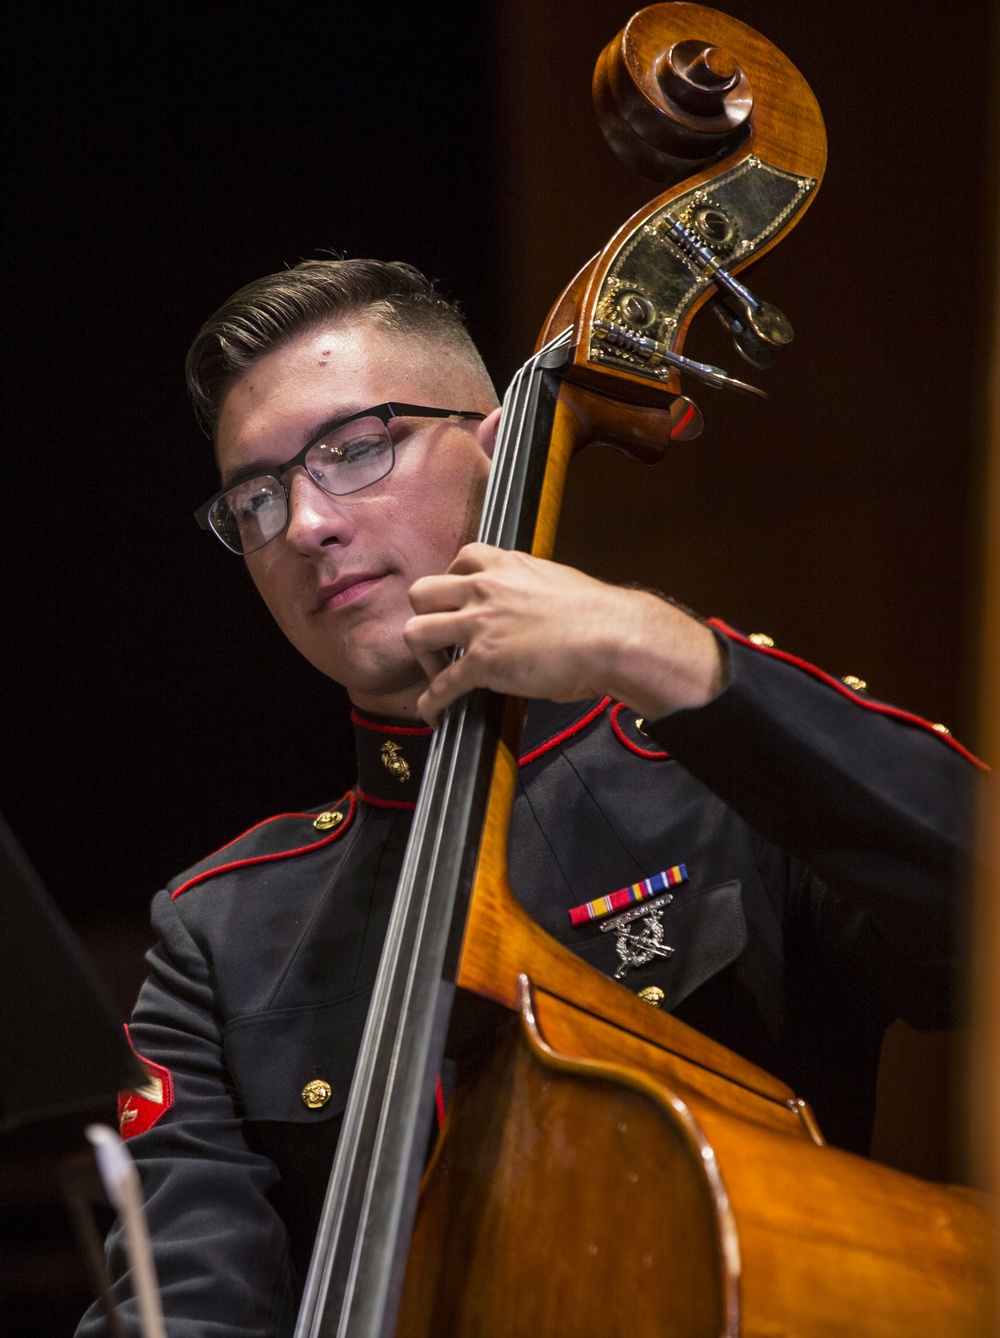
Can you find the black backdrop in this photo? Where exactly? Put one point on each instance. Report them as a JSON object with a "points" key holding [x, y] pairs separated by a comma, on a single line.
{"points": [[165, 155]]}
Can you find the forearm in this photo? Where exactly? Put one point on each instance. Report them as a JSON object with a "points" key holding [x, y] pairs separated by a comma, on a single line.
{"points": [[660, 659]]}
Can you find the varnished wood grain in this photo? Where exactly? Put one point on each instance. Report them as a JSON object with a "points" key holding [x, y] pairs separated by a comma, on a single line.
{"points": [[580, 1035], [584, 1195], [517, 1235]]}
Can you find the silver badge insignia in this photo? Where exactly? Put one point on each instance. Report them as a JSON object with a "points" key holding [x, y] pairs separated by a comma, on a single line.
{"points": [[639, 945]]}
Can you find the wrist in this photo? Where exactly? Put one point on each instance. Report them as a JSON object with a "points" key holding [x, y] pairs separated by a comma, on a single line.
{"points": [[666, 659]]}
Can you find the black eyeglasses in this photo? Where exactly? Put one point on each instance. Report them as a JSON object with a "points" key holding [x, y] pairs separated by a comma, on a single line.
{"points": [[349, 454]]}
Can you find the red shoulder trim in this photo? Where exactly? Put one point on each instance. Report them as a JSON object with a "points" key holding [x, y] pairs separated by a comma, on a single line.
{"points": [[657, 754], [275, 817], [385, 803], [845, 691], [389, 729], [278, 854], [565, 734], [139, 1109]]}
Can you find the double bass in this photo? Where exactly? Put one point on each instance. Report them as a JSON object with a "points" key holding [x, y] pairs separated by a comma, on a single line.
{"points": [[604, 1168]]}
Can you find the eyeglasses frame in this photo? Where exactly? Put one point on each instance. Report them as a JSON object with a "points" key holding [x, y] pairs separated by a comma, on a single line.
{"points": [[384, 412]]}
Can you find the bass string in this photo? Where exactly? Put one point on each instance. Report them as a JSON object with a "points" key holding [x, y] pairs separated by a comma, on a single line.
{"points": [[374, 1086]]}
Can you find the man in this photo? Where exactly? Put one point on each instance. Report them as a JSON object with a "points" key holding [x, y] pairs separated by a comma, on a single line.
{"points": [[820, 834]]}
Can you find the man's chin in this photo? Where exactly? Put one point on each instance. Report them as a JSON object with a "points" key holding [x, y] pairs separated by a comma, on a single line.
{"points": [[382, 684]]}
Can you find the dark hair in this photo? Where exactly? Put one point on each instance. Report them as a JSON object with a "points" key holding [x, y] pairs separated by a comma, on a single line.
{"points": [[271, 311]]}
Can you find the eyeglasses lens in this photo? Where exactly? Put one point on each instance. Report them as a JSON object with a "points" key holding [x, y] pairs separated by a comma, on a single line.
{"points": [[250, 515], [351, 457]]}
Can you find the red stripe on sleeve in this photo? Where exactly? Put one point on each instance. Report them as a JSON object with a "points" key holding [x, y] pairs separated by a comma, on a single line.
{"points": [[878, 707]]}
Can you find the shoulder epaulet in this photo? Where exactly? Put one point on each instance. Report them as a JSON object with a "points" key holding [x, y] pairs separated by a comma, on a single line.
{"points": [[280, 837], [853, 690]]}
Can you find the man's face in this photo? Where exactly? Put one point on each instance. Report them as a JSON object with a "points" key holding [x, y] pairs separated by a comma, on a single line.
{"points": [[337, 580]]}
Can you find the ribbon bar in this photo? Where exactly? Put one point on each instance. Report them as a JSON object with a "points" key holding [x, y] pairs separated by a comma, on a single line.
{"points": [[628, 896]]}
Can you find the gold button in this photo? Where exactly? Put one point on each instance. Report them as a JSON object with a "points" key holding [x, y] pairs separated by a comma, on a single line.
{"points": [[942, 729], [760, 639], [858, 684], [652, 994], [316, 1094], [639, 722], [327, 820]]}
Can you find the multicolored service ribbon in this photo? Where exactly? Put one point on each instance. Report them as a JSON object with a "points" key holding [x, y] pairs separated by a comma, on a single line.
{"points": [[628, 896]]}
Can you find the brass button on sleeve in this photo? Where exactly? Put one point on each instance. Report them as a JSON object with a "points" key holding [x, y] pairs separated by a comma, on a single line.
{"points": [[327, 820], [652, 994], [316, 1094]]}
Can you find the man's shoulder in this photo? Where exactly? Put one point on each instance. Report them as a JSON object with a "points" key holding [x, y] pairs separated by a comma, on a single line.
{"points": [[551, 724], [614, 732], [282, 837]]}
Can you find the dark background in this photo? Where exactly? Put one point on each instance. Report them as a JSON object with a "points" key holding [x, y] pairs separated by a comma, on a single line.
{"points": [[161, 156]]}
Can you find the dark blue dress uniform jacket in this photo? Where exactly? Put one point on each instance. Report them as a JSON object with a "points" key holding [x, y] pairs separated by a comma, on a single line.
{"points": [[823, 835]]}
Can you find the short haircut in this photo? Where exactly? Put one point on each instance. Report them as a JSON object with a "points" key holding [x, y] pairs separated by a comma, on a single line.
{"points": [[272, 311]]}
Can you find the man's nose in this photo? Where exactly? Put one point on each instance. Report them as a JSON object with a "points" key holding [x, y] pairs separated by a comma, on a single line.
{"points": [[316, 519]]}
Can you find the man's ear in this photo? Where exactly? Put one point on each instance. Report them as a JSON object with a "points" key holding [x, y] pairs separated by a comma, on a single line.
{"points": [[486, 431]]}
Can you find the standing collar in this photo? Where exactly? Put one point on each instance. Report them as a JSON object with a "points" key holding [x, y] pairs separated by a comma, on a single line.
{"points": [[392, 755]]}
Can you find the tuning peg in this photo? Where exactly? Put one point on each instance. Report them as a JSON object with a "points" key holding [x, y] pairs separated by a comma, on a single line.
{"points": [[654, 354], [765, 320], [749, 345]]}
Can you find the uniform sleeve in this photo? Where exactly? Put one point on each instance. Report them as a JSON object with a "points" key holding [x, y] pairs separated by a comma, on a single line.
{"points": [[220, 1248], [876, 805]]}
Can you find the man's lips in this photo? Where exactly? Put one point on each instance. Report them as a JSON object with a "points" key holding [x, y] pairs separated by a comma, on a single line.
{"points": [[346, 590]]}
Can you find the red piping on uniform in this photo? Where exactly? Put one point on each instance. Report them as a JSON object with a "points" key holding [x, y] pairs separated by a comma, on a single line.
{"points": [[385, 803], [565, 734], [275, 817], [658, 754], [390, 729], [845, 691], [278, 854]]}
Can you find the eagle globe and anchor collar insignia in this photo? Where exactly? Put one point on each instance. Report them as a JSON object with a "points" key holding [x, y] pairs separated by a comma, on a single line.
{"points": [[394, 761], [391, 757]]}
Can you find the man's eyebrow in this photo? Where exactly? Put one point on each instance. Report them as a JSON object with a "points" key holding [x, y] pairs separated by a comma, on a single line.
{"points": [[266, 464]]}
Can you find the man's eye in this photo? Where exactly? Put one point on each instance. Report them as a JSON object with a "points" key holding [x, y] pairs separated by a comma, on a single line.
{"points": [[357, 450], [362, 448], [252, 504]]}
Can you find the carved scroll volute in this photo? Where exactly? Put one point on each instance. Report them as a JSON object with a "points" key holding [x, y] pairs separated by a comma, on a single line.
{"points": [[699, 101]]}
